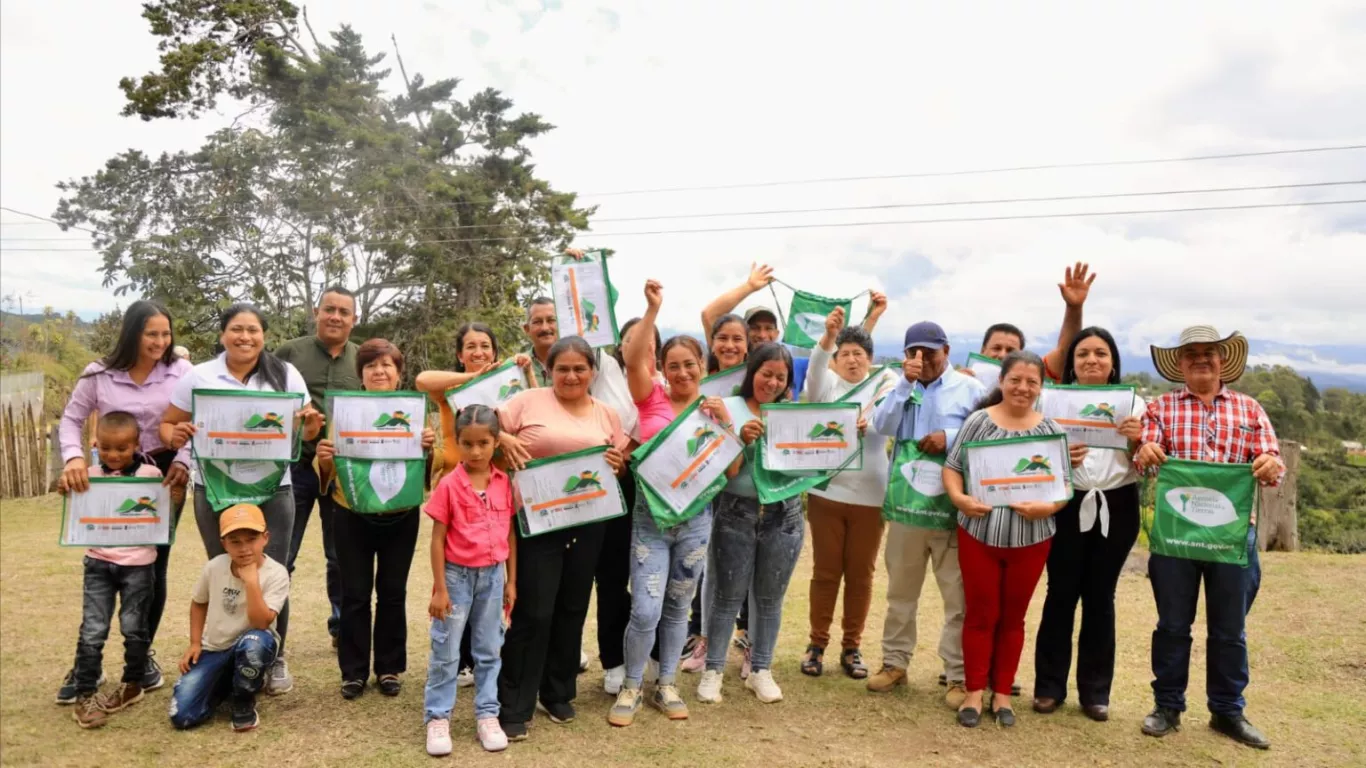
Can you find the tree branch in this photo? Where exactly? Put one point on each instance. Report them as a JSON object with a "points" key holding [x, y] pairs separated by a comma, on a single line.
{"points": [[406, 82]]}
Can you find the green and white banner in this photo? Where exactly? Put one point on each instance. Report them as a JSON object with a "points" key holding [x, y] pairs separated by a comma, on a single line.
{"points": [[118, 512], [379, 459], [723, 383], [584, 302], [1090, 414], [811, 437], [880, 382], [569, 490], [915, 490], [1203, 511], [987, 370], [244, 442], [806, 318], [1019, 469], [492, 389], [683, 467], [776, 486], [229, 482], [373, 487]]}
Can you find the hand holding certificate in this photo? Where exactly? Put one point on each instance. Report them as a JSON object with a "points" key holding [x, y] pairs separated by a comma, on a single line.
{"points": [[1019, 470], [569, 490], [118, 512]]}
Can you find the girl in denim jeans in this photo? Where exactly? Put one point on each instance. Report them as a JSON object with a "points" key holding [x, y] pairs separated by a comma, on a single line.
{"points": [[472, 539]]}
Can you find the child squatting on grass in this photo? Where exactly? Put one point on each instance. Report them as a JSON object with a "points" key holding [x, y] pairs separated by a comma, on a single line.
{"points": [[472, 541], [232, 624], [112, 573]]}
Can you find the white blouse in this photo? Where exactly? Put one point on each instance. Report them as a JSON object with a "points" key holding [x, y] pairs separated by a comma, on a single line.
{"points": [[865, 487], [1104, 469]]}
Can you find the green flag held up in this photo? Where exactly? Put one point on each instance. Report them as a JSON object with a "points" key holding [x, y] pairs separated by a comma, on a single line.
{"points": [[806, 318]]}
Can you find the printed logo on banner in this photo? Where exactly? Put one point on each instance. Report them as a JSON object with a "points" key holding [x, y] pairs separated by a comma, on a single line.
{"points": [[397, 421], [700, 437], [924, 476], [509, 389], [265, 422], [810, 323], [1027, 471], [591, 321], [584, 480], [138, 506], [1099, 411], [1202, 506], [824, 435], [258, 426]]}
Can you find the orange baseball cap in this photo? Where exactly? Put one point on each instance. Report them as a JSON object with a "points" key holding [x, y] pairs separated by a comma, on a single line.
{"points": [[241, 517]]}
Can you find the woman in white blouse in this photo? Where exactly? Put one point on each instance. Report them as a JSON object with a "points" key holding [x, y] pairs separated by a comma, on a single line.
{"points": [[845, 518], [1096, 530]]}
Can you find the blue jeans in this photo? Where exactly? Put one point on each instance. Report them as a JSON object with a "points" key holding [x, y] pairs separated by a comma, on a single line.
{"points": [[105, 583], [665, 567], [279, 513], [239, 671], [477, 599], [754, 549], [304, 485], [1229, 593]]}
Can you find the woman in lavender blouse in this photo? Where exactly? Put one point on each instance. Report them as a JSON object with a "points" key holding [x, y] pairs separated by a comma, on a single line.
{"points": [[137, 378]]}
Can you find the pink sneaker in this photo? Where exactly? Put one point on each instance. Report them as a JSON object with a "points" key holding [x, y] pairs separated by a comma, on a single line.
{"points": [[697, 660], [491, 734]]}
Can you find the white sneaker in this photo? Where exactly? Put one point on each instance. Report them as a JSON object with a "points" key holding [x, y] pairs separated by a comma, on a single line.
{"points": [[583, 662], [651, 672], [280, 680], [764, 687], [611, 682], [491, 735], [439, 738], [709, 690], [465, 679]]}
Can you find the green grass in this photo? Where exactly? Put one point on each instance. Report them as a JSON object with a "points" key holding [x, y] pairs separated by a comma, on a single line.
{"points": [[1306, 636]]}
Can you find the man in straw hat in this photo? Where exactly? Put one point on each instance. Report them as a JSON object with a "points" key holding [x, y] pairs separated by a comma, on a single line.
{"points": [[1206, 421]]}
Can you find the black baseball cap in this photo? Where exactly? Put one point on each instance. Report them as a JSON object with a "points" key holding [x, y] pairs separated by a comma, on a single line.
{"points": [[926, 335]]}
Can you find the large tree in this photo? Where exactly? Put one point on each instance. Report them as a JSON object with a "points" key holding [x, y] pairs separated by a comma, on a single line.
{"points": [[426, 205]]}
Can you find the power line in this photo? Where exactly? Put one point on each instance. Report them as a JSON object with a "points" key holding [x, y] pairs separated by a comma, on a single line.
{"points": [[878, 207], [837, 225], [45, 218]]}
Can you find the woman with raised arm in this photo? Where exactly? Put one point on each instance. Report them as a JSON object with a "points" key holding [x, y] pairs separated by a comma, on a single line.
{"points": [[667, 562], [1001, 550], [246, 365]]}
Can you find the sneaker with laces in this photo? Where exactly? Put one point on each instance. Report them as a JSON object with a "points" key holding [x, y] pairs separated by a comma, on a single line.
{"points": [[279, 681], [244, 717], [613, 679], [666, 699], [623, 713], [764, 686], [709, 689], [688, 646], [88, 713], [514, 731], [439, 737], [886, 679], [67, 694], [491, 735], [697, 660], [126, 695], [152, 678], [465, 679], [560, 712], [747, 663]]}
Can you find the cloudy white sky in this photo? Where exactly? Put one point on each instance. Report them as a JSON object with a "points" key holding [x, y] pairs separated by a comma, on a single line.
{"points": [[650, 94]]}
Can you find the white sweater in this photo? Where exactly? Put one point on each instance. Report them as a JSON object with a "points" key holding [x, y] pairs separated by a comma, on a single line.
{"points": [[865, 487]]}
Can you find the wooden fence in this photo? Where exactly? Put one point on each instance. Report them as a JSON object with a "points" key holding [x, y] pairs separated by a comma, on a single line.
{"points": [[24, 465]]}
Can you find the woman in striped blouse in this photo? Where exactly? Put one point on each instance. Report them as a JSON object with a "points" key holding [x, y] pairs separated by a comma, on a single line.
{"points": [[1002, 550]]}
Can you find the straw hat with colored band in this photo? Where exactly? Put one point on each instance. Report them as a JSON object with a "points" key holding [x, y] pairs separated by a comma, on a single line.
{"points": [[1232, 350]]}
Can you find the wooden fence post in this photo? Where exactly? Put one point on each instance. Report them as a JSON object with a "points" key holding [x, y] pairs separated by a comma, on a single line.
{"points": [[1277, 521]]}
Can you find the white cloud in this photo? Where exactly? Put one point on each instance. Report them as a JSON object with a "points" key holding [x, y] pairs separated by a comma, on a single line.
{"points": [[651, 95]]}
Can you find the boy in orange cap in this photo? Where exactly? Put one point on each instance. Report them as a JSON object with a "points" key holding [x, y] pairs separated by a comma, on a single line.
{"points": [[232, 624]]}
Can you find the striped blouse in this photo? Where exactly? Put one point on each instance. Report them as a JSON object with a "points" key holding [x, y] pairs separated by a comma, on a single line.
{"points": [[1001, 527]]}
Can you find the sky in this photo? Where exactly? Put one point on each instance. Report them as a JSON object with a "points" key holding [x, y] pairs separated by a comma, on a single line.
{"points": [[650, 95]]}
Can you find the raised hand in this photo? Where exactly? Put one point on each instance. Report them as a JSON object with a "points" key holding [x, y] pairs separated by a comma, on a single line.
{"points": [[760, 275], [654, 294], [1076, 285]]}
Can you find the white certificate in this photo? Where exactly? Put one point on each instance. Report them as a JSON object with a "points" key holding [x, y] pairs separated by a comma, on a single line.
{"points": [[118, 512], [233, 424], [1090, 415], [492, 389], [723, 384], [564, 491], [987, 370], [690, 455], [377, 425], [1019, 469], [583, 300], [806, 437]]}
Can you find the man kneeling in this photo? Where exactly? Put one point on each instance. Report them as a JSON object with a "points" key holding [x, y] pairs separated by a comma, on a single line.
{"points": [[232, 625]]}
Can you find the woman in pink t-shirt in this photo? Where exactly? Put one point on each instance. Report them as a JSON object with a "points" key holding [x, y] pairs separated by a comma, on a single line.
{"points": [[554, 570], [667, 563]]}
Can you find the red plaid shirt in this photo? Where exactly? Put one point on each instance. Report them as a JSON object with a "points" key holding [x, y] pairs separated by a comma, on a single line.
{"points": [[1232, 430]]}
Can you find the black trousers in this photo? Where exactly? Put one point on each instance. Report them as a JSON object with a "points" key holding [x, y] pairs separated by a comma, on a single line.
{"points": [[163, 460], [541, 648], [613, 581], [374, 554], [1085, 567]]}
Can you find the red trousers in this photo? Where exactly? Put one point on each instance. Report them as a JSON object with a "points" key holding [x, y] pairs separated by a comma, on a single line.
{"points": [[998, 583]]}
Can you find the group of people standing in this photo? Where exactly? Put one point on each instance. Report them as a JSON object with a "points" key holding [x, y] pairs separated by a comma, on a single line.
{"points": [[508, 610]]}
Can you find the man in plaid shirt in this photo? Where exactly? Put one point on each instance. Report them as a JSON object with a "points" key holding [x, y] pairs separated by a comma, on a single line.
{"points": [[1205, 421]]}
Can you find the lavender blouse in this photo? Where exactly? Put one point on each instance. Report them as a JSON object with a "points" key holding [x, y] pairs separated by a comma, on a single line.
{"points": [[104, 391]]}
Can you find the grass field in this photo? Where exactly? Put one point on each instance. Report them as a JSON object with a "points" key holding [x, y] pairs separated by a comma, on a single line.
{"points": [[1307, 635]]}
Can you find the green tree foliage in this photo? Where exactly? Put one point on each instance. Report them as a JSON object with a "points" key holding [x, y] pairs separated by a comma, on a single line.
{"points": [[426, 205]]}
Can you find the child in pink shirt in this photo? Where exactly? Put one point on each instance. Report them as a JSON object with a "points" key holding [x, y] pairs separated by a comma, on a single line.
{"points": [[113, 574]]}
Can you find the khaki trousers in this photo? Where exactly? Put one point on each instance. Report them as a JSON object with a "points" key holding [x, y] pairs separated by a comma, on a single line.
{"points": [[909, 551]]}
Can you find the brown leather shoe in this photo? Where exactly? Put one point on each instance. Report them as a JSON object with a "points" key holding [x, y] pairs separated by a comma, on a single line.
{"points": [[886, 679], [126, 695], [955, 695], [1045, 705], [1098, 712]]}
